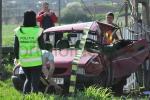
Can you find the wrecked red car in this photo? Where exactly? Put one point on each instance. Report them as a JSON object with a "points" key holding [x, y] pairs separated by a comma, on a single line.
{"points": [[101, 64]]}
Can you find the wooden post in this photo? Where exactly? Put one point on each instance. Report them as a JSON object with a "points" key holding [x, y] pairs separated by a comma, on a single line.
{"points": [[94, 10], [0, 32]]}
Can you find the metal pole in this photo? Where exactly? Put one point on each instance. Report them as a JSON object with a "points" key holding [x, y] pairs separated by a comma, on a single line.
{"points": [[136, 10], [94, 10], [0, 32], [126, 13], [59, 11]]}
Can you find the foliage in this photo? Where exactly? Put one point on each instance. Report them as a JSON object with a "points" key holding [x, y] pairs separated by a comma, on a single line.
{"points": [[98, 93], [6, 67], [74, 12], [6, 71], [7, 92], [100, 17], [7, 40]]}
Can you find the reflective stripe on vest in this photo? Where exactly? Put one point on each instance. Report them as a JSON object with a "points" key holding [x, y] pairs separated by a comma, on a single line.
{"points": [[108, 36], [29, 51]]}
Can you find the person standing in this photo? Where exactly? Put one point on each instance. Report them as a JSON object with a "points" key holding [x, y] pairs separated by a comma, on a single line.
{"points": [[109, 36], [27, 51], [46, 17], [110, 18]]}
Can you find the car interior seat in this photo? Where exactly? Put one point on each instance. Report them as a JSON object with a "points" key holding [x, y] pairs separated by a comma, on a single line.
{"points": [[62, 44], [77, 44], [87, 44]]}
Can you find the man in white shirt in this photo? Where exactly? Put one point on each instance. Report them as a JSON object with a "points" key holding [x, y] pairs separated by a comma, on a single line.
{"points": [[48, 65]]}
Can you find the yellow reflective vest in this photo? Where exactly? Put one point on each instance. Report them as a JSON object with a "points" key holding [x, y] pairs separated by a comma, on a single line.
{"points": [[29, 51], [109, 37]]}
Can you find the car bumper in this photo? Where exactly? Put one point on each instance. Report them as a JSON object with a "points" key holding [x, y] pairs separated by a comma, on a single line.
{"points": [[82, 81]]}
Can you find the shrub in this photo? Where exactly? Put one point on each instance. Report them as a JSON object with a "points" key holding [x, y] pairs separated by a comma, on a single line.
{"points": [[74, 12], [98, 93]]}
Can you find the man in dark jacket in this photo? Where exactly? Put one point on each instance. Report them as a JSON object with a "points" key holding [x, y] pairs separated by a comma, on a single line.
{"points": [[46, 17]]}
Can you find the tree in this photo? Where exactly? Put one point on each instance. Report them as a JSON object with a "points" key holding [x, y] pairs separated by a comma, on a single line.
{"points": [[73, 12]]}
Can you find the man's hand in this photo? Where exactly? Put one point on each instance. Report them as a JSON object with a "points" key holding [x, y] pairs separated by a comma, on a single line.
{"points": [[48, 13], [45, 13], [16, 62]]}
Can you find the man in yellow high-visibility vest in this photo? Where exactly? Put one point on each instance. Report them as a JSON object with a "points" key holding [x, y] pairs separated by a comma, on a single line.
{"points": [[27, 51]]}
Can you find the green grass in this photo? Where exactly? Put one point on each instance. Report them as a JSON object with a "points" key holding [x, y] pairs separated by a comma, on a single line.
{"points": [[92, 93], [98, 93], [7, 92], [8, 34]]}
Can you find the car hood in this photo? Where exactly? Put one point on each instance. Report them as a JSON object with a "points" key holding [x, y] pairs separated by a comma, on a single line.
{"points": [[65, 57]]}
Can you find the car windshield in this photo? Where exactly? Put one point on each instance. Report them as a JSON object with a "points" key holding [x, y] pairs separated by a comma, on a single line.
{"points": [[68, 40]]}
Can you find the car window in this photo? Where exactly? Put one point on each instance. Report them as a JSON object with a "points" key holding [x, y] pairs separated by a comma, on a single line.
{"points": [[73, 38], [93, 35], [49, 38]]}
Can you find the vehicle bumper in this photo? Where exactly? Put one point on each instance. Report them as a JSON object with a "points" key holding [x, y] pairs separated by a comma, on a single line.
{"points": [[82, 81]]}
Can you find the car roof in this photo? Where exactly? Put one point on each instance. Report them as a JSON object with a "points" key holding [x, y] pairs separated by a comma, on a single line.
{"points": [[94, 26]]}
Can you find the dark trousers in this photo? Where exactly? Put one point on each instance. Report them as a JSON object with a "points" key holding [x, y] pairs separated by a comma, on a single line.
{"points": [[32, 79]]}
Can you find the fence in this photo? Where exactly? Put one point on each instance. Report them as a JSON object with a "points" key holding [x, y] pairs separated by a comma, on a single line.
{"points": [[135, 31], [131, 83]]}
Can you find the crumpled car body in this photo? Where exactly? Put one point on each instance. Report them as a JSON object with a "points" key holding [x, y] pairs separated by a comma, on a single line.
{"points": [[107, 66]]}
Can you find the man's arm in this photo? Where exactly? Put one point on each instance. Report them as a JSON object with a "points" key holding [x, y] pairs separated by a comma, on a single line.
{"points": [[16, 47], [50, 59], [39, 17], [54, 18], [16, 51], [41, 41]]}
